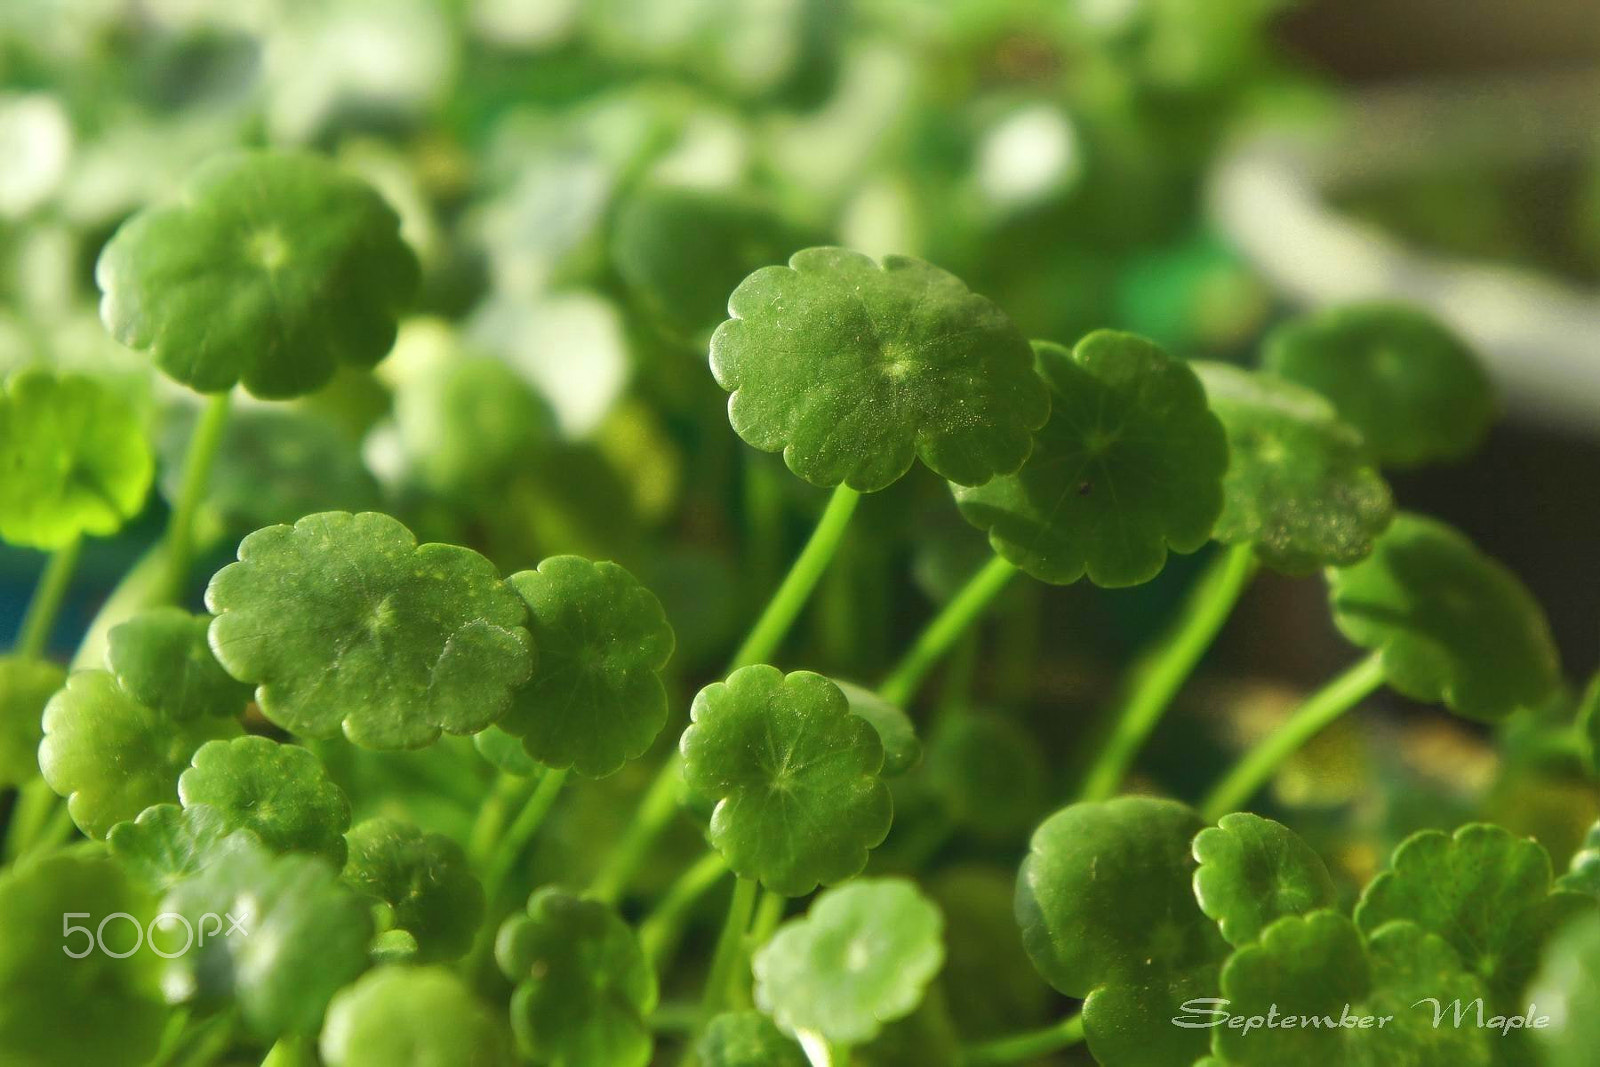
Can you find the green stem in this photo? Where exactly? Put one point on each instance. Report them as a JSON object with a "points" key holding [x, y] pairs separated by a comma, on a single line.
{"points": [[197, 463], [140, 587], [1027, 1046], [660, 801], [945, 629], [1162, 672], [769, 913], [515, 841], [34, 635], [1320, 709], [490, 822], [659, 930], [32, 820], [729, 950], [802, 578]]}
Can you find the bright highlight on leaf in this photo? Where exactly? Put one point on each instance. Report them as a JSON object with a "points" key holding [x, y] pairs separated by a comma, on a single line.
{"points": [[1452, 626], [281, 793], [1108, 914], [161, 657], [1129, 466], [111, 756], [583, 986], [793, 773], [1254, 871], [73, 459], [271, 269], [411, 1015], [861, 957], [596, 699], [424, 879], [1300, 486], [343, 622], [853, 369], [1413, 390]]}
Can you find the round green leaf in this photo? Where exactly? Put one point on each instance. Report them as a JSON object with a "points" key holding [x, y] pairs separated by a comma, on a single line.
{"points": [[1567, 989], [301, 936], [73, 459], [987, 773], [861, 957], [281, 793], [1129, 465], [111, 756], [1300, 485], [166, 843], [854, 369], [794, 775], [1108, 914], [426, 881], [1486, 892], [271, 269], [584, 989], [681, 251], [26, 686], [901, 749], [1254, 871], [344, 621], [1451, 625], [56, 1009], [421, 1016], [746, 1039], [1317, 966], [1412, 389], [161, 658], [596, 699]]}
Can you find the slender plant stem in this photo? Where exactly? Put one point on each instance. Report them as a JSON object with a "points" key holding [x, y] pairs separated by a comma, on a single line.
{"points": [[140, 587], [34, 635], [660, 802], [1020, 1048], [197, 463], [725, 959], [54, 828], [659, 930], [795, 590], [508, 791], [30, 813], [769, 913], [1162, 671], [1320, 709], [945, 629], [515, 840]]}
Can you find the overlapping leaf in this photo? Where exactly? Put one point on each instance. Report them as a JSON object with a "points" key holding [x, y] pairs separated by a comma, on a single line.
{"points": [[281, 793], [161, 658], [424, 879], [1254, 871]]}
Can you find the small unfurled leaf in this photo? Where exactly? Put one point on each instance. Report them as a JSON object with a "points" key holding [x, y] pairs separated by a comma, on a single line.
{"points": [[426, 881], [111, 756], [1317, 967], [746, 1039], [281, 793], [271, 269], [596, 699], [1129, 465], [422, 1016], [344, 622], [1300, 486], [862, 956], [166, 843], [26, 686], [793, 773], [1485, 891], [283, 937], [854, 369], [62, 999], [73, 459], [1567, 991], [1108, 914], [1413, 390], [901, 749], [160, 656], [1254, 871], [1452, 625], [584, 989]]}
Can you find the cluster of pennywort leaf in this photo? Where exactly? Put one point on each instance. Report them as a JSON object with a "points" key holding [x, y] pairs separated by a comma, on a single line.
{"points": [[201, 755]]}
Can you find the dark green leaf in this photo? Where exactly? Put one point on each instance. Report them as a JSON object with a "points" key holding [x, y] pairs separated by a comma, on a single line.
{"points": [[901, 749], [281, 793], [988, 774], [426, 881], [1254, 871], [1129, 465]]}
